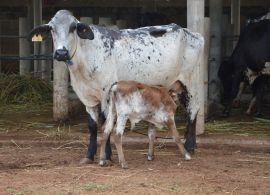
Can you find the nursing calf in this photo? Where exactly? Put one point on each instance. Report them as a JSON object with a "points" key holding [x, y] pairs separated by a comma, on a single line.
{"points": [[136, 101]]}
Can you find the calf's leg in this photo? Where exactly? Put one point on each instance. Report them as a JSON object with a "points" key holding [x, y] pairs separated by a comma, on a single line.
{"points": [[177, 139], [119, 130], [103, 160]]}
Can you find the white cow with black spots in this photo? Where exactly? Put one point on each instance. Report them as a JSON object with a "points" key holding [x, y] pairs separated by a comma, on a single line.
{"points": [[98, 56]]}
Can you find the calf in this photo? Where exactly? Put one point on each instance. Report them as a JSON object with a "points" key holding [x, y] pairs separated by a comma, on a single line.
{"points": [[136, 101]]}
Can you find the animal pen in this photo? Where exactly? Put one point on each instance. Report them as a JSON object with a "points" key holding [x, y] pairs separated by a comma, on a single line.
{"points": [[40, 148]]}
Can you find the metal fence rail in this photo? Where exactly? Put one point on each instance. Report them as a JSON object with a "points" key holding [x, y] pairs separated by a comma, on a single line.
{"points": [[31, 57]]}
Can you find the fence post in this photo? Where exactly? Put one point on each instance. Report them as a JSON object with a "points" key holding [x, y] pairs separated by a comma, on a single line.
{"points": [[106, 21], [215, 9], [195, 22], [37, 8], [206, 35], [87, 20], [0, 46], [121, 24], [24, 45], [46, 65], [235, 18], [60, 91]]}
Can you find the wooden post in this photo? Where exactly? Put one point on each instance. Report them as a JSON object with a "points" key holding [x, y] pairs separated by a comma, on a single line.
{"points": [[37, 7], [60, 91], [195, 22], [105, 21], [46, 65], [206, 62], [87, 20], [121, 24], [215, 53], [24, 46], [227, 31], [0, 46], [235, 18]]}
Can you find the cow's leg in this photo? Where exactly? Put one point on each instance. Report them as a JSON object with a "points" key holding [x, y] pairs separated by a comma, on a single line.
{"points": [[177, 139], [119, 130], [152, 136], [190, 135], [93, 119], [237, 100], [259, 88], [235, 87], [251, 105]]}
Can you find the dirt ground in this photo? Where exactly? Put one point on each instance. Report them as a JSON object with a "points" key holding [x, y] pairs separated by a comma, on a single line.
{"points": [[55, 170], [39, 157]]}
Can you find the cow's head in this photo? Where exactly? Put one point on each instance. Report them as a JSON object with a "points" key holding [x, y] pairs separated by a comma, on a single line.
{"points": [[65, 30]]}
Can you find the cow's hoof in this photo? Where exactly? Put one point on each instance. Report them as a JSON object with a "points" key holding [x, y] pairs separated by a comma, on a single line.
{"points": [[124, 165], [258, 114], [187, 156], [105, 163], [190, 148], [150, 158], [86, 161]]}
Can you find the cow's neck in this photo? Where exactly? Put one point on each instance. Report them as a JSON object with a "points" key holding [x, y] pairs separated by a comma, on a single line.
{"points": [[83, 83]]}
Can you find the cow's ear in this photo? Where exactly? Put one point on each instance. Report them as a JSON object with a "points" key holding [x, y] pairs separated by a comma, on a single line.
{"points": [[39, 33], [84, 31]]}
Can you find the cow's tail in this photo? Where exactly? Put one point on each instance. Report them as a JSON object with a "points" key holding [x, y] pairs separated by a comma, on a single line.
{"points": [[110, 111]]}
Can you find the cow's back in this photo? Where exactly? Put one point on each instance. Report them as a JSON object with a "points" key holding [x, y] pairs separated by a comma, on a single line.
{"points": [[152, 55], [253, 47]]}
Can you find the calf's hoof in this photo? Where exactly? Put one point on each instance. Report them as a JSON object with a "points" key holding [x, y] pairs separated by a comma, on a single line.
{"points": [[187, 156], [86, 161], [105, 163], [150, 157], [124, 165]]}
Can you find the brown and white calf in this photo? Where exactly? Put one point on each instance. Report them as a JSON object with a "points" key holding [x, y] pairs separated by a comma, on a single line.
{"points": [[136, 101]]}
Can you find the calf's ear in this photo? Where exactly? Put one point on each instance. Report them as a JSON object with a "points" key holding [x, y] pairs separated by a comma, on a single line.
{"points": [[84, 31], [39, 33]]}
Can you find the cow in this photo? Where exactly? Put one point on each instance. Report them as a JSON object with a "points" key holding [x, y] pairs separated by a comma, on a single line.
{"points": [[98, 56], [251, 54], [134, 101], [257, 19]]}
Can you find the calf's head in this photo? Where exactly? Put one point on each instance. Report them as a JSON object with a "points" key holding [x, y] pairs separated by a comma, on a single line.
{"points": [[65, 30]]}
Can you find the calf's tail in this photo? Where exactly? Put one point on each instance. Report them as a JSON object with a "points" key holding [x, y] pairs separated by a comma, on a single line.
{"points": [[110, 111]]}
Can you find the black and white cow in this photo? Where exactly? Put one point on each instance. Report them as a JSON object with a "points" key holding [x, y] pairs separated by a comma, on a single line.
{"points": [[250, 59], [97, 57], [258, 19]]}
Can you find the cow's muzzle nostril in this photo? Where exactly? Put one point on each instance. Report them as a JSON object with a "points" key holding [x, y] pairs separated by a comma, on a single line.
{"points": [[61, 55]]}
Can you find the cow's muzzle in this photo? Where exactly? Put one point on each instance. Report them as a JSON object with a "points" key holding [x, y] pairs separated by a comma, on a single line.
{"points": [[62, 54]]}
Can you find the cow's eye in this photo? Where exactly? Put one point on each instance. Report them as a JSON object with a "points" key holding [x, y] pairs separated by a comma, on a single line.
{"points": [[72, 27]]}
